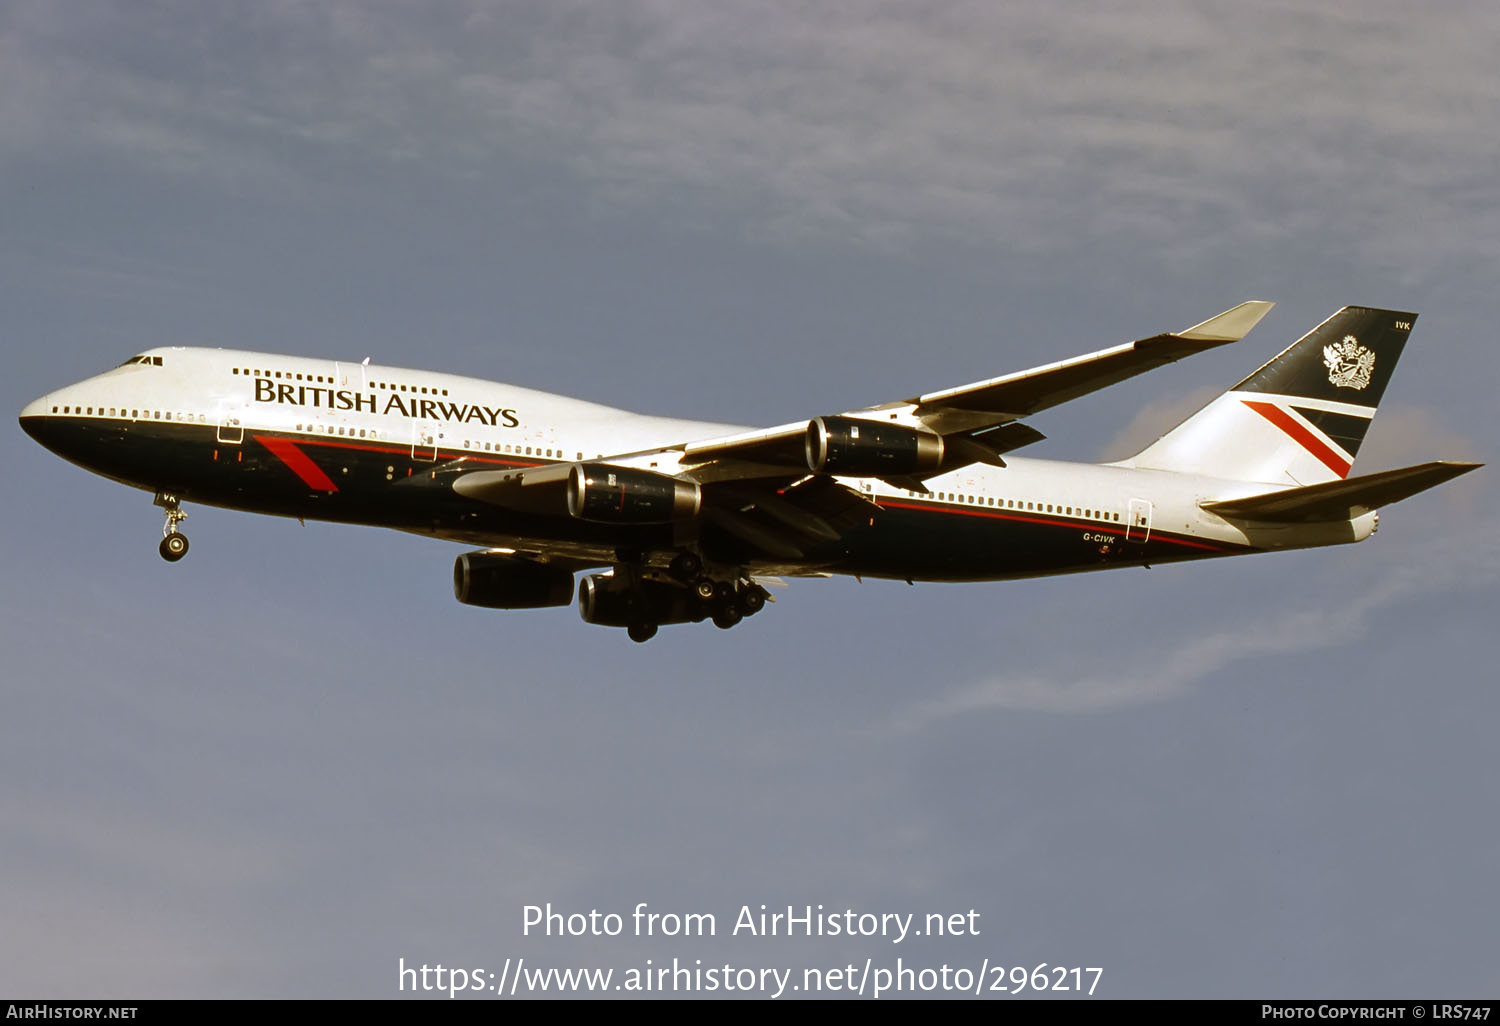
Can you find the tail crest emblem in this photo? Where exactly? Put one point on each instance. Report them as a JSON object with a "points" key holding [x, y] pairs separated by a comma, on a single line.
{"points": [[1349, 364]]}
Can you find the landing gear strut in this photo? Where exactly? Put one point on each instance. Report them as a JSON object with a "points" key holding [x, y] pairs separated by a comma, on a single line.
{"points": [[174, 544]]}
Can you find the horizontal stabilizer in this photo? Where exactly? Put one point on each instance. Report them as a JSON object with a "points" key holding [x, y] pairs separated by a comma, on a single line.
{"points": [[1341, 500]]}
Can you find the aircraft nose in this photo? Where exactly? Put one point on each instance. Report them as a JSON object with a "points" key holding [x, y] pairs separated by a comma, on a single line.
{"points": [[33, 414]]}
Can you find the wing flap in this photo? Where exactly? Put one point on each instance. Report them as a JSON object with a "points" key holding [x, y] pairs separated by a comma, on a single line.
{"points": [[790, 521], [1341, 500], [988, 445]]}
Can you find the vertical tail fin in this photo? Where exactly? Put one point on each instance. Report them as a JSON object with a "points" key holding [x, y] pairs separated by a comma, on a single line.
{"points": [[1300, 419]]}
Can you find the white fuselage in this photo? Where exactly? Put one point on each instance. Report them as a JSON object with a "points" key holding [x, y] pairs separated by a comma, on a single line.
{"points": [[431, 418]]}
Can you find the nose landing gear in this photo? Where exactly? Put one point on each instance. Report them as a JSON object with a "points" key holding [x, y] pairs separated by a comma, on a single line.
{"points": [[174, 544]]}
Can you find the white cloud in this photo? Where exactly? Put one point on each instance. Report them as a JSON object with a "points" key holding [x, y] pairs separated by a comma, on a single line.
{"points": [[1154, 420], [1339, 615], [1005, 125]]}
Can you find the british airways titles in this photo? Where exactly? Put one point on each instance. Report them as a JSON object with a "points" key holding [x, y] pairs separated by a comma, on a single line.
{"points": [[268, 391]]}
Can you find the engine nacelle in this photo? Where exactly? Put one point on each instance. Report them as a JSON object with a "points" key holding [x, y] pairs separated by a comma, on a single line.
{"points": [[622, 495], [610, 602], [499, 581], [868, 448]]}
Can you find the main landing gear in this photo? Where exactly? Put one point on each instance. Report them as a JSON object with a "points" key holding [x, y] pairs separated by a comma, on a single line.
{"points": [[726, 602], [686, 593], [174, 544], [729, 602]]}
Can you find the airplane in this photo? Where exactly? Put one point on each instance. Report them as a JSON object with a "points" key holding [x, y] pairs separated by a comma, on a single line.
{"points": [[679, 521]]}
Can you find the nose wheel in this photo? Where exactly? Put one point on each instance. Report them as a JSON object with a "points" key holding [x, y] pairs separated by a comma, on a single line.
{"points": [[173, 547], [174, 544]]}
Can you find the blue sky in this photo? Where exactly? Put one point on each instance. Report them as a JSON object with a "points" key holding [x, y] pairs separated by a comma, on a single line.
{"points": [[281, 765]]}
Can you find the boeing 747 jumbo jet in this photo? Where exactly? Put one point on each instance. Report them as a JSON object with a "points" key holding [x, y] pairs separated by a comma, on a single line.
{"points": [[677, 521]]}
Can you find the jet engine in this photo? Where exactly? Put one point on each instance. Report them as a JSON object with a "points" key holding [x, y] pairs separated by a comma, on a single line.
{"points": [[867, 448], [622, 495], [501, 581], [611, 602]]}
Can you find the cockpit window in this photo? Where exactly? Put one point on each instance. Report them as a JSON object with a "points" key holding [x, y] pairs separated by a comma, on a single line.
{"points": [[150, 361]]}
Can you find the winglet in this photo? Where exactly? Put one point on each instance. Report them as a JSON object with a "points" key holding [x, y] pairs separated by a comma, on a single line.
{"points": [[1231, 325]]}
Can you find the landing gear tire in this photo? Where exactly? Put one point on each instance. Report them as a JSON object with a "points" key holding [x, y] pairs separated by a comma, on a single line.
{"points": [[727, 618], [751, 601], [641, 632], [704, 588], [686, 566], [173, 547]]}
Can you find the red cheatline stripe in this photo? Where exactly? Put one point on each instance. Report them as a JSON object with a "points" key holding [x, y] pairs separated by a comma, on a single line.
{"points": [[1303, 437], [405, 450], [285, 450], [936, 507]]}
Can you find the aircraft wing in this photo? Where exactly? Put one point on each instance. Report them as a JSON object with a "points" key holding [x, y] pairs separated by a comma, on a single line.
{"points": [[762, 486], [975, 421], [1018, 395], [781, 518]]}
